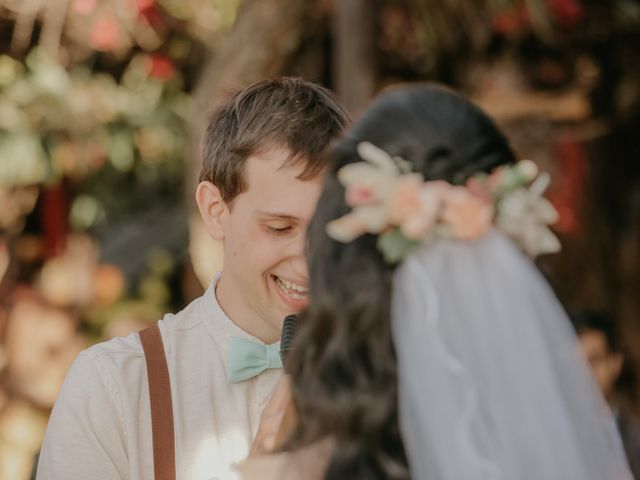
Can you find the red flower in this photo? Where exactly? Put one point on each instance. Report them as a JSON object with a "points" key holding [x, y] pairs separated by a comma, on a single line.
{"points": [[161, 67], [148, 12], [512, 20], [144, 5], [568, 12]]}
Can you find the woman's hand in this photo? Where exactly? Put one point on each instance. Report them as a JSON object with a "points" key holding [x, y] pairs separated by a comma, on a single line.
{"points": [[272, 417]]}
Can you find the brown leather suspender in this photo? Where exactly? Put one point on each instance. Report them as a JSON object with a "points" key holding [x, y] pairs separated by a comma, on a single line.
{"points": [[164, 455]]}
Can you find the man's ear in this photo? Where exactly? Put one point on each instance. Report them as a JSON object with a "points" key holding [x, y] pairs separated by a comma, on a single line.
{"points": [[213, 209]]}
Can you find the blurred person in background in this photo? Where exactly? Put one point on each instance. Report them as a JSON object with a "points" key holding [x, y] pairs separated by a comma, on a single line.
{"points": [[432, 347], [261, 176], [600, 343]]}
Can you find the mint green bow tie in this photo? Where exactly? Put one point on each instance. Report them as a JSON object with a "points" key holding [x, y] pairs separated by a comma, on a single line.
{"points": [[248, 359]]}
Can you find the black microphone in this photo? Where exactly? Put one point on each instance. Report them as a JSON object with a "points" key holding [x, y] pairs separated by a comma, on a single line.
{"points": [[290, 418], [289, 328]]}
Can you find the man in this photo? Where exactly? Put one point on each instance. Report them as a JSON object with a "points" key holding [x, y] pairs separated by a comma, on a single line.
{"points": [[260, 180], [599, 343]]}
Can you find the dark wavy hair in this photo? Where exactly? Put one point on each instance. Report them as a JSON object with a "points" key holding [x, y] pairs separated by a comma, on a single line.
{"points": [[299, 115], [343, 363]]}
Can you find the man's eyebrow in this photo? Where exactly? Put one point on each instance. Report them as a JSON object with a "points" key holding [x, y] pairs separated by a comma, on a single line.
{"points": [[281, 216]]}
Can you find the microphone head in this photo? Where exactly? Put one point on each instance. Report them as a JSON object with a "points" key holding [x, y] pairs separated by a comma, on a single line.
{"points": [[289, 327]]}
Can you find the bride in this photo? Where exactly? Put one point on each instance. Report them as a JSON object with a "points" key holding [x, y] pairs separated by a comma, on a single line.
{"points": [[432, 347]]}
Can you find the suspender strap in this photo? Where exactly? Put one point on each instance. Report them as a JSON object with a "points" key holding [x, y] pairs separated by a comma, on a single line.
{"points": [[164, 456]]}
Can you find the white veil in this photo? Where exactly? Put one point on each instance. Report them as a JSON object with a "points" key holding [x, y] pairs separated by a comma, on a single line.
{"points": [[491, 382]]}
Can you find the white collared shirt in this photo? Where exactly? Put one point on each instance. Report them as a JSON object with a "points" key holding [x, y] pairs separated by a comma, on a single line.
{"points": [[100, 426]]}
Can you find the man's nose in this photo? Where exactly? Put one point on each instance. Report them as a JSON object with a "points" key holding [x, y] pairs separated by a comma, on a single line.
{"points": [[297, 254]]}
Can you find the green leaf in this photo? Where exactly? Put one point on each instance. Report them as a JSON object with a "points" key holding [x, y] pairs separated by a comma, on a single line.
{"points": [[394, 246]]}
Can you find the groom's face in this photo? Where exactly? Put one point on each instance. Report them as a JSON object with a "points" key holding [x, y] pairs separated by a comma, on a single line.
{"points": [[265, 237]]}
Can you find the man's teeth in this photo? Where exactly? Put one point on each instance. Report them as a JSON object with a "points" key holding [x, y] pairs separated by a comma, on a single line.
{"points": [[295, 291]]}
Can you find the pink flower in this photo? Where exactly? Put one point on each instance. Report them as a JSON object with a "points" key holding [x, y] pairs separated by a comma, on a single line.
{"points": [[359, 195], [105, 34], [415, 205], [467, 215], [364, 183], [480, 187], [85, 7], [405, 200]]}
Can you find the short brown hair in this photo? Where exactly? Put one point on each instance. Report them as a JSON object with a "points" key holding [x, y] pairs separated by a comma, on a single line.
{"points": [[302, 116]]}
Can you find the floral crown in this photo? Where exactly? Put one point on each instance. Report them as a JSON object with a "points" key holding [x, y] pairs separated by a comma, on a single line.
{"points": [[388, 200]]}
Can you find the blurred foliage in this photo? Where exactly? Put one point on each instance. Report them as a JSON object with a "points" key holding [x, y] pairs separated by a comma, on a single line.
{"points": [[73, 30], [555, 44], [95, 99], [57, 123], [104, 104]]}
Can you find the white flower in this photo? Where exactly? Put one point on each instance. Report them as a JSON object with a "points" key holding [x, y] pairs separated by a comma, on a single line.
{"points": [[390, 201], [525, 215]]}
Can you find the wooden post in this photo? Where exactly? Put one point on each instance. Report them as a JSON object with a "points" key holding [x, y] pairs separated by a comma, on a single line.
{"points": [[353, 57]]}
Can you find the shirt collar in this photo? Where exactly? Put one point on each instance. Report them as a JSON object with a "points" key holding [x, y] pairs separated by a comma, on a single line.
{"points": [[219, 325]]}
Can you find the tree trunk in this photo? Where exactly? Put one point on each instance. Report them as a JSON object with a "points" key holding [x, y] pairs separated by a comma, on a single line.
{"points": [[354, 57]]}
